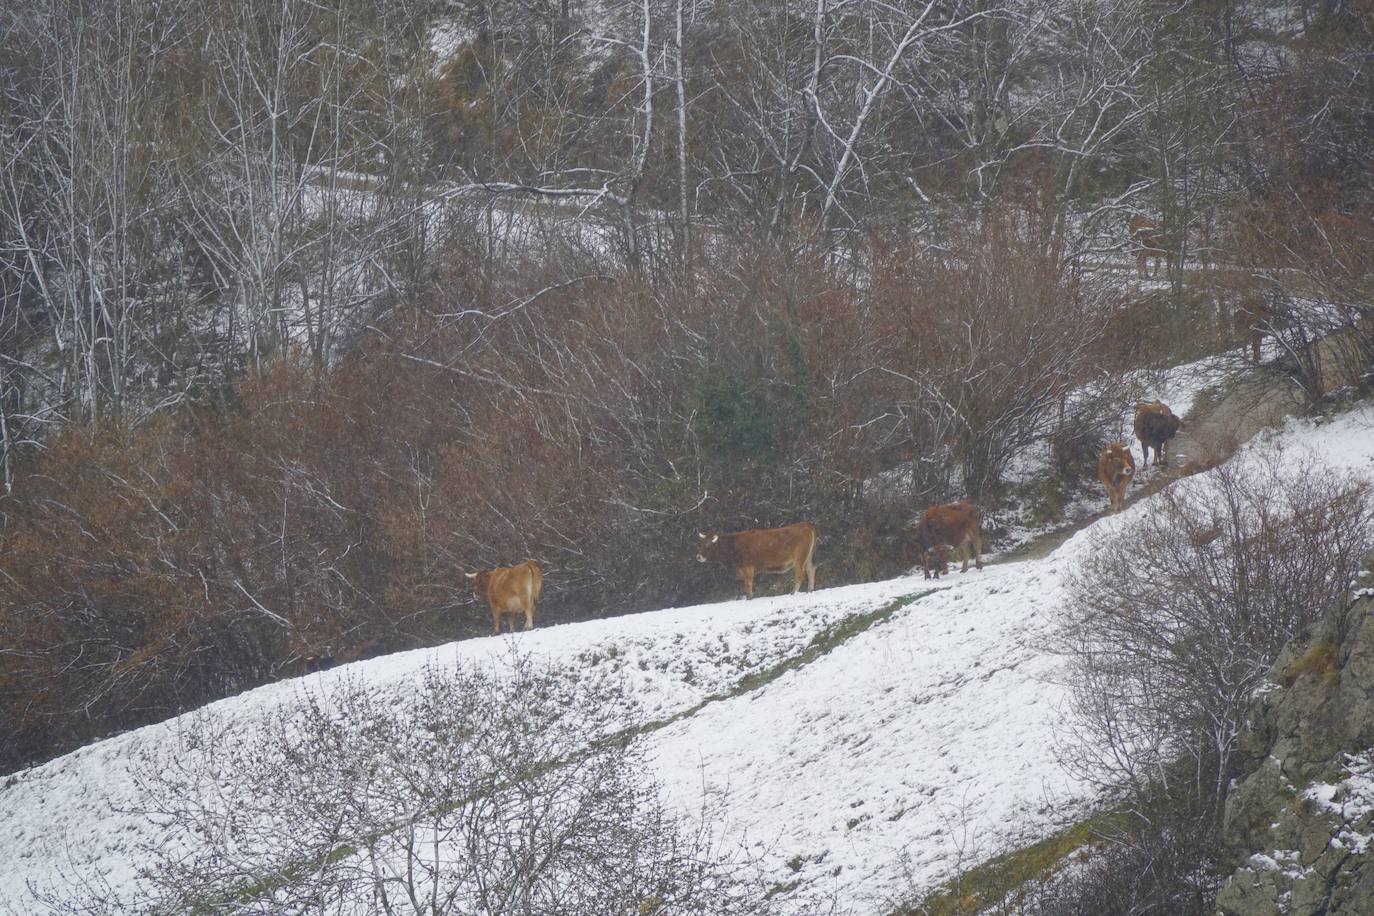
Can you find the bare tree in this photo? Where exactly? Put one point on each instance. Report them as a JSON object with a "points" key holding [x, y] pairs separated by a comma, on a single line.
{"points": [[486, 792]]}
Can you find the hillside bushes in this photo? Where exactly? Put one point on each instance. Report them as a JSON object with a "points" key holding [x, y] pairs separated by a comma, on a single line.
{"points": [[588, 422]]}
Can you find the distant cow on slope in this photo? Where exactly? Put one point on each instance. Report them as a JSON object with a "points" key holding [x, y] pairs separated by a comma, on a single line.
{"points": [[956, 524], [769, 550], [511, 591], [1116, 470], [1150, 244], [1253, 319], [1155, 425]]}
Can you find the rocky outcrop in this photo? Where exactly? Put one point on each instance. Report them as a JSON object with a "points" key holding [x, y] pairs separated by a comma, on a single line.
{"points": [[1301, 825]]}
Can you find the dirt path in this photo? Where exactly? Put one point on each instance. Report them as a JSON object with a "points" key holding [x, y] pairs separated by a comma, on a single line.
{"points": [[1219, 423]]}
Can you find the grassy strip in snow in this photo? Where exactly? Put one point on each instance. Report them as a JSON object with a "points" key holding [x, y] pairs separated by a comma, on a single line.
{"points": [[998, 880], [822, 643]]}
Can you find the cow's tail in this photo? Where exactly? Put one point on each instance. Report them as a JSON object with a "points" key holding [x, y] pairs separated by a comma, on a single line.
{"points": [[536, 581]]}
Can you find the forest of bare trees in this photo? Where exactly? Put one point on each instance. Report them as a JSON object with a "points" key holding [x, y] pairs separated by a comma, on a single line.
{"points": [[306, 308]]}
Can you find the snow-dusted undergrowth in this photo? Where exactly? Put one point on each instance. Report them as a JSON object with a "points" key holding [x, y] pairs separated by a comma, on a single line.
{"points": [[910, 748]]}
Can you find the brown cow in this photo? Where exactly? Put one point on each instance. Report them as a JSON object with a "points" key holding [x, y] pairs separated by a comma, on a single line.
{"points": [[1252, 318], [510, 590], [936, 561], [1116, 468], [956, 524], [1155, 425], [1150, 243], [770, 550]]}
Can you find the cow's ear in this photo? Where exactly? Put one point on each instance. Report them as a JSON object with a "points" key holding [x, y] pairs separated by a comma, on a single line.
{"points": [[714, 538]]}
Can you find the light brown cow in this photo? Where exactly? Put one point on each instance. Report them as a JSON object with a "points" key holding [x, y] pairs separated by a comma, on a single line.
{"points": [[1155, 425], [511, 591], [957, 524], [1150, 243], [769, 550], [1253, 317], [1116, 469]]}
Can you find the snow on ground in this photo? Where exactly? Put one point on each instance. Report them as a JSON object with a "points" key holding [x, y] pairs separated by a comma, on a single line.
{"points": [[867, 773]]}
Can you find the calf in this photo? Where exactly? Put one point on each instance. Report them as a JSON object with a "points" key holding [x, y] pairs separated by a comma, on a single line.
{"points": [[1116, 469], [955, 524], [936, 561], [1155, 425], [510, 591], [769, 550]]}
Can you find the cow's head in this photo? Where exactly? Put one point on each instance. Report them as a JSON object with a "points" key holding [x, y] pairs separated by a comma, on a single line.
{"points": [[480, 581], [708, 547]]}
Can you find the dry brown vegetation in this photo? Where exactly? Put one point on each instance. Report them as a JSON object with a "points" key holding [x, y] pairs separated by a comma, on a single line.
{"points": [[592, 425]]}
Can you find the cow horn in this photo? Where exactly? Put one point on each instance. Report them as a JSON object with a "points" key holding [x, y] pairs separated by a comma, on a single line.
{"points": [[471, 575], [700, 535], [714, 538]]}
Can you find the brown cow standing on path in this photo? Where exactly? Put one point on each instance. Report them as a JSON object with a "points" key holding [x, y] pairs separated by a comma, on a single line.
{"points": [[1155, 425], [956, 524], [511, 591], [1116, 469], [770, 550], [1150, 244]]}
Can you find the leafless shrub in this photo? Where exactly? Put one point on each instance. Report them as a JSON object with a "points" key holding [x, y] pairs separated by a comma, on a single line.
{"points": [[998, 343], [1177, 618], [481, 793]]}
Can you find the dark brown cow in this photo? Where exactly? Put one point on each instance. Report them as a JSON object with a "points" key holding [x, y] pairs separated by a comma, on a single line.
{"points": [[936, 561], [1116, 470], [955, 524], [511, 591], [769, 550], [1155, 425], [1150, 243]]}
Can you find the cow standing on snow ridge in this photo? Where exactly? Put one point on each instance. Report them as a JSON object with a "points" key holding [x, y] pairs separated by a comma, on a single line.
{"points": [[1116, 470], [769, 550], [510, 590], [1155, 425], [957, 524]]}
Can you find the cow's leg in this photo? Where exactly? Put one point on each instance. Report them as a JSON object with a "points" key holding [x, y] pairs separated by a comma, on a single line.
{"points": [[977, 548], [798, 574], [810, 575], [748, 582], [529, 617], [495, 622], [1162, 454], [1140, 264]]}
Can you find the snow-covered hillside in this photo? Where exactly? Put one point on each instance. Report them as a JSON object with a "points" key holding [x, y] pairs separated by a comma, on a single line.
{"points": [[916, 736]]}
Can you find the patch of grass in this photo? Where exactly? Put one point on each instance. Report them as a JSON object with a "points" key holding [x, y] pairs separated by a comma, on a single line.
{"points": [[998, 879], [1320, 661]]}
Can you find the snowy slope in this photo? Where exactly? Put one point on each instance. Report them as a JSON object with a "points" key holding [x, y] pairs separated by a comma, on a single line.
{"points": [[912, 747]]}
